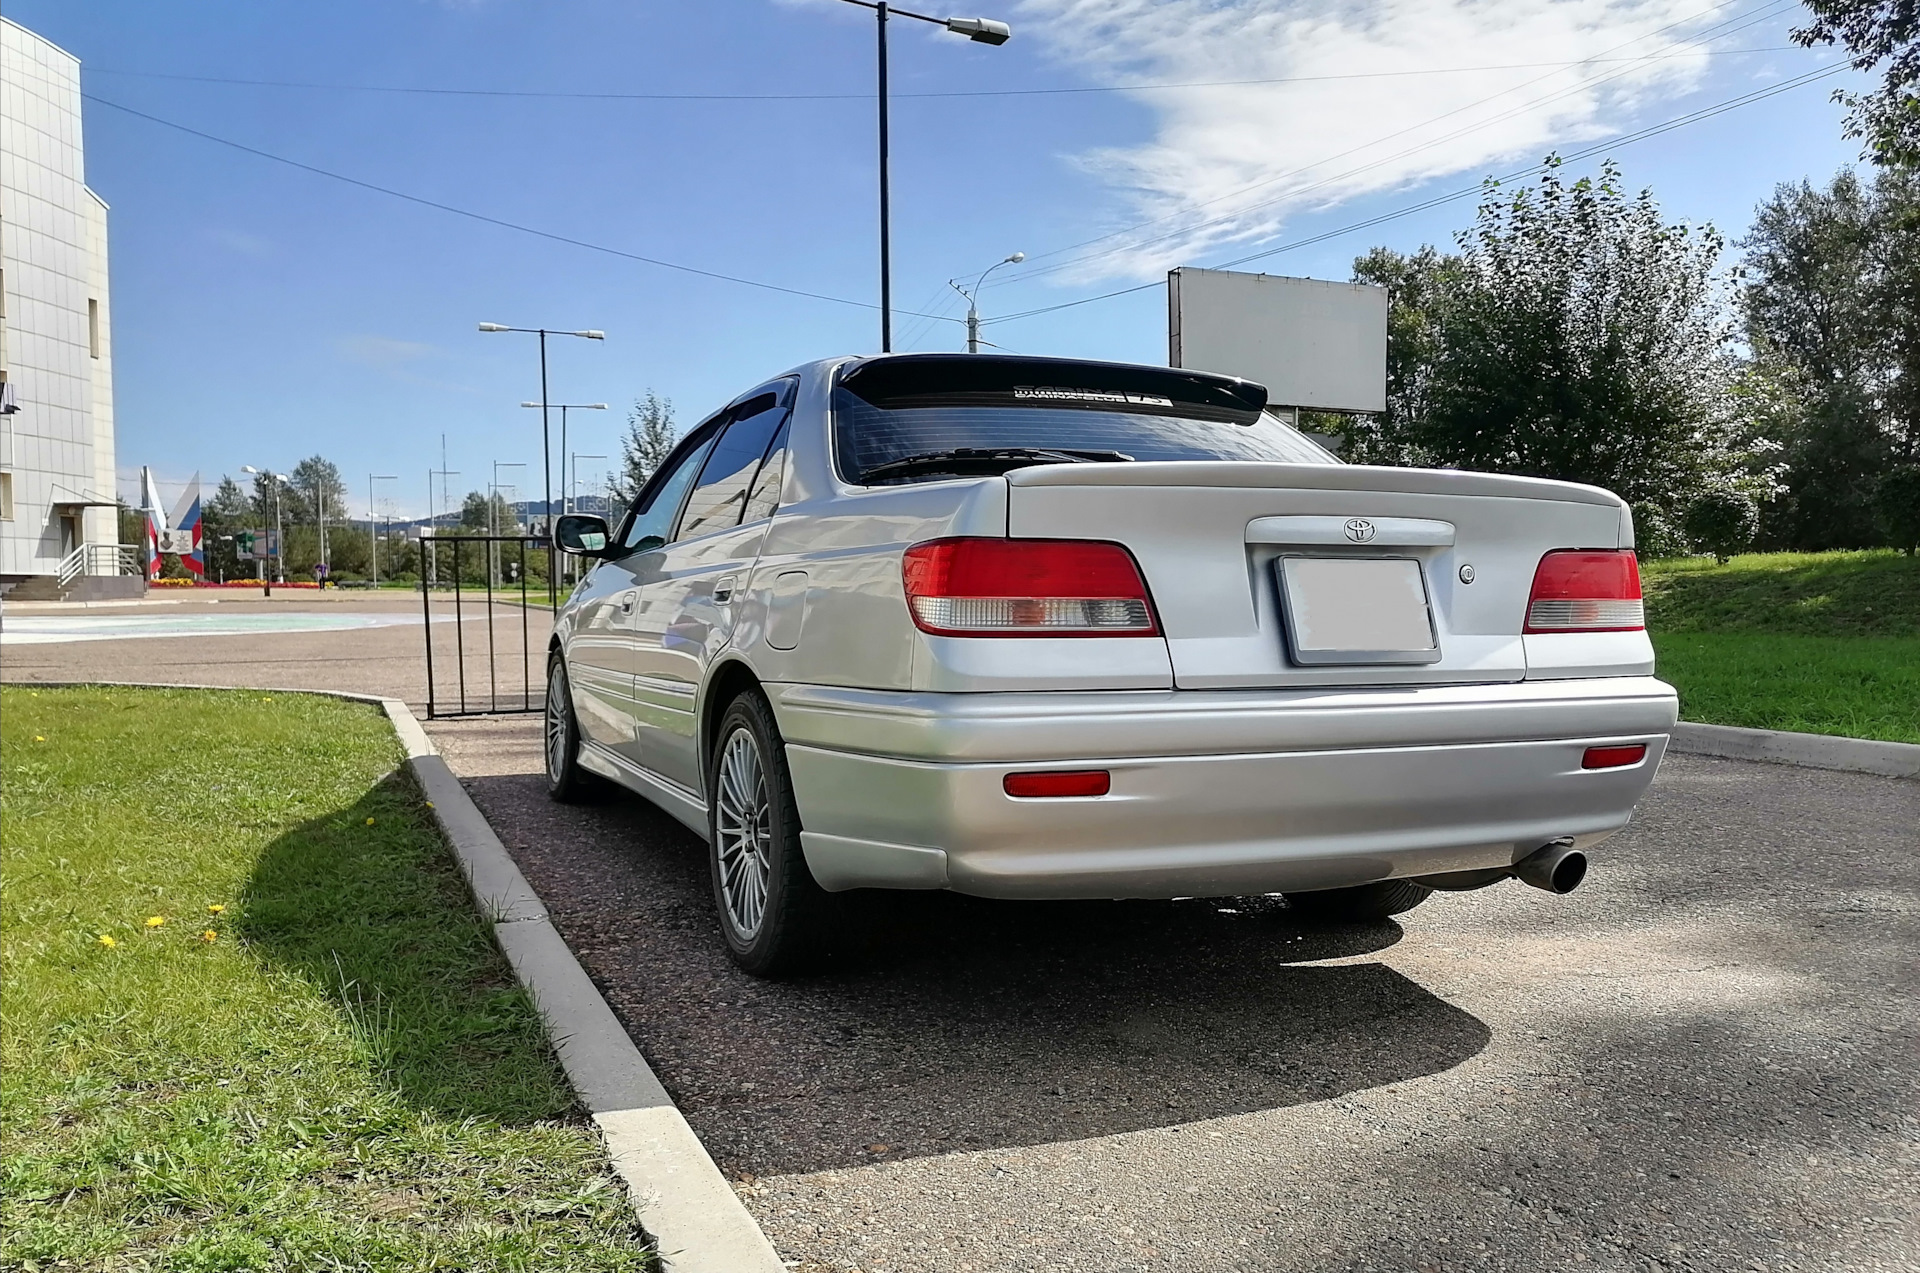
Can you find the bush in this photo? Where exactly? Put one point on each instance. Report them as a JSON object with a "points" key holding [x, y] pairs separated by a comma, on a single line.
{"points": [[1723, 522], [1896, 505]]}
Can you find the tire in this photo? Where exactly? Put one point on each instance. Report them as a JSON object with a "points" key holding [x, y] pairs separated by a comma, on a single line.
{"points": [[773, 915], [1360, 904], [567, 782]]}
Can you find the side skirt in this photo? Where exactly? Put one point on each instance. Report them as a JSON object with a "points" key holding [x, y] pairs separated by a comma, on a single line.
{"points": [[671, 796]]}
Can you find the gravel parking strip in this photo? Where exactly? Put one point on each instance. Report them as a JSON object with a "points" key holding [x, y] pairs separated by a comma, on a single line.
{"points": [[1704, 1059]]}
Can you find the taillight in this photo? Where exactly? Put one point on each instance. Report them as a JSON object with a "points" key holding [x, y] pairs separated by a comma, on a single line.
{"points": [[1026, 587], [1586, 590]]}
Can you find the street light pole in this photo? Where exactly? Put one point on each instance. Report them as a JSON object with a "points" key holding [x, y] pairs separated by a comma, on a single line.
{"points": [[979, 30], [546, 445], [279, 547], [564, 408], [373, 517], [973, 308], [577, 457]]}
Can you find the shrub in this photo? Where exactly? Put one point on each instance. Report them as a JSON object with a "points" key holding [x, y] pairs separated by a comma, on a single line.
{"points": [[1723, 522]]}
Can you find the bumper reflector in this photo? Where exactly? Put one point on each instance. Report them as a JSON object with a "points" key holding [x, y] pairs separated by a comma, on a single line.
{"points": [[1613, 757], [1060, 782]]}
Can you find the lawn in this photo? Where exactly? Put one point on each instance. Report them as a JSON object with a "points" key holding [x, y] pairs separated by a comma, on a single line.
{"points": [[252, 1018], [1822, 643]]}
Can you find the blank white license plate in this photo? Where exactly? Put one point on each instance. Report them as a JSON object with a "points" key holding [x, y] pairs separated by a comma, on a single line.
{"points": [[1356, 610]]}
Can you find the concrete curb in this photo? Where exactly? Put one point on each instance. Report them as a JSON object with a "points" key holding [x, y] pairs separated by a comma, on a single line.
{"points": [[1813, 751], [697, 1222]]}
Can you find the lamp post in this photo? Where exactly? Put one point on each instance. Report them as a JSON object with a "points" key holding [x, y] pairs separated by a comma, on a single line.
{"points": [[373, 517], [973, 308], [433, 517], [979, 30], [279, 553], [577, 457], [493, 494], [564, 408]]}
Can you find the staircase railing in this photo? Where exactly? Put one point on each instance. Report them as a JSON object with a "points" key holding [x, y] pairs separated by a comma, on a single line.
{"points": [[99, 559]]}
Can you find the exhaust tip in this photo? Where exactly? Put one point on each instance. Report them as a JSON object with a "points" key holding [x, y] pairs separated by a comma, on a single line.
{"points": [[1557, 867]]}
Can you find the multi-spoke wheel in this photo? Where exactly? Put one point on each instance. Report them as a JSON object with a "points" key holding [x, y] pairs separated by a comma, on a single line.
{"points": [[566, 781], [741, 832], [772, 913]]}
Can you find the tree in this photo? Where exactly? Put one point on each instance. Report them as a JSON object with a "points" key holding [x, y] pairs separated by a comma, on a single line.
{"points": [[228, 513], [649, 439], [1831, 306], [1723, 522], [1897, 503], [1875, 31], [1577, 335]]}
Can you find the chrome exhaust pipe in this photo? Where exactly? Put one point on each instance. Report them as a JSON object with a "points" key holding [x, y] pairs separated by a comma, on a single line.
{"points": [[1557, 867]]}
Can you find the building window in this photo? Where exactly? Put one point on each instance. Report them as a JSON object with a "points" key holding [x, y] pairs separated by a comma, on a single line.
{"points": [[6, 497], [93, 327]]}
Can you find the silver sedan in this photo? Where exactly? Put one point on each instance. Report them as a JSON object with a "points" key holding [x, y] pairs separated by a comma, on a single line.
{"points": [[1041, 628]]}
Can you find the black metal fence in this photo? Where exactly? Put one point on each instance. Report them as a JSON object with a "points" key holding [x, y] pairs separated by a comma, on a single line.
{"points": [[504, 582]]}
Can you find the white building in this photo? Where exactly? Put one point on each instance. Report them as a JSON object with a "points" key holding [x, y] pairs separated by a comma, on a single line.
{"points": [[58, 527]]}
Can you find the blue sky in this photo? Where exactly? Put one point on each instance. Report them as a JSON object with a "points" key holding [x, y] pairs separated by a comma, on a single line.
{"points": [[263, 313]]}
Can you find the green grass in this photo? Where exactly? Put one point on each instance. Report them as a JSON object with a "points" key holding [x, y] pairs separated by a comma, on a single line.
{"points": [[343, 1076], [1820, 643], [1840, 594]]}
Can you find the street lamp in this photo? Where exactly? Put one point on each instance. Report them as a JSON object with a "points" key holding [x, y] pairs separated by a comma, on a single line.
{"points": [[373, 517], [279, 554], [564, 408], [493, 495], [973, 310], [980, 31], [577, 457], [546, 446]]}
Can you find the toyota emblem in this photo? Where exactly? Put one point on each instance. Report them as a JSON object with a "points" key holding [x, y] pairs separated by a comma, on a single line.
{"points": [[1360, 530]]}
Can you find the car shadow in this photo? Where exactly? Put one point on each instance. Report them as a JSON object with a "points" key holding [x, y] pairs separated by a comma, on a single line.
{"points": [[366, 904], [952, 1023]]}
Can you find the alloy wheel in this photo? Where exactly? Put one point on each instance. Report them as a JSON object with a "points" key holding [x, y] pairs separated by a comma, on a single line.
{"points": [[557, 712], [743, 832]]}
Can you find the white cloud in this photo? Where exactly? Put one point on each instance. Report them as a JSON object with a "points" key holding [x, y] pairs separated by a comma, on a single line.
{"points": [[1228, 165]]}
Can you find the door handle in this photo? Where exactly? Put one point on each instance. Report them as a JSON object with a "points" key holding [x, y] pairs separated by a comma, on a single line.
{"points": [[723, 590], [627, 600]]}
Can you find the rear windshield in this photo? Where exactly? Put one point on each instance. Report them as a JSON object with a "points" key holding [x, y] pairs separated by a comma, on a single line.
{"points": [[866, 435]]}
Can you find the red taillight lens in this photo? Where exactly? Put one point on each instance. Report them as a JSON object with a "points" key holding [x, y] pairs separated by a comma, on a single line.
{"points": [[1613, 757], [1026, 587], [1586, 590], [1069, 782]]}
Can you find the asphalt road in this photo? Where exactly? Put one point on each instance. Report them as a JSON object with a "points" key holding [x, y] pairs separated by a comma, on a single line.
{"points": [[1705, 1059]]}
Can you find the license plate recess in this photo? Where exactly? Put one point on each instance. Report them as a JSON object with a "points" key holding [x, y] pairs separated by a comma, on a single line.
{"points": [[1356, 610]]}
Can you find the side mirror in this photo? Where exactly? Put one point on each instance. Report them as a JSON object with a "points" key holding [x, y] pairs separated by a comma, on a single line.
{"points": [[582, 533]]}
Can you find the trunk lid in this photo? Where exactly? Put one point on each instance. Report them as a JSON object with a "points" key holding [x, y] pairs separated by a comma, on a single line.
{"points": [[1208, 537]]}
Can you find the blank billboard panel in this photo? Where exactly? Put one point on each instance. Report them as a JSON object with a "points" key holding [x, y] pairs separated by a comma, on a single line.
{"points": [[1313, 344]]}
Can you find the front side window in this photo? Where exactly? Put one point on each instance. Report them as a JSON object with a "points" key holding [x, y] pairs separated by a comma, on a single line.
{"points": [[936, 416], [653, 517], [720, 497]]}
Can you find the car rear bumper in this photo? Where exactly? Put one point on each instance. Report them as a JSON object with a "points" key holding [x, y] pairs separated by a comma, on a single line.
{"points": [[1213, 793]]}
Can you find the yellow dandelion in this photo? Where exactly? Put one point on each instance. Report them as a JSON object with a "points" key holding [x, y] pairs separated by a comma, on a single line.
{"points": [[154, 921], [429, 804], [107, 941], [215, 908], [38, 739], [369, 821], [207, 934]]}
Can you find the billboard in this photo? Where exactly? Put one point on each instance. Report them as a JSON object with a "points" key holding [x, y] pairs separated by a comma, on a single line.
{"points": [[1313, 344]]}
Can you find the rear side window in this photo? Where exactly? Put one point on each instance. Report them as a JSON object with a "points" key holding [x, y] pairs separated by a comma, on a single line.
{"points": [[720, 496], [763, 498]]}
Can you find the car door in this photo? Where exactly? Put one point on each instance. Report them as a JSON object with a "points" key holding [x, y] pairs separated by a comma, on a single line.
{"points": [[685, 612], [601, 653]]}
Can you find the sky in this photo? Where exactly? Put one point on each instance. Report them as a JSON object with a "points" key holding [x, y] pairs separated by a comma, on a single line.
{"points": [[264, 312]]}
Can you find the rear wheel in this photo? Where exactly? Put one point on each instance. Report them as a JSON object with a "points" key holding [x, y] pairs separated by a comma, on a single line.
{"points": [[567, 782], [772, 913], [1360, 903]]}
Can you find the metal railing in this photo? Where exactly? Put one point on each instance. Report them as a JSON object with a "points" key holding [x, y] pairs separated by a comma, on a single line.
{"points": [[99, 559], [473, 570]]}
